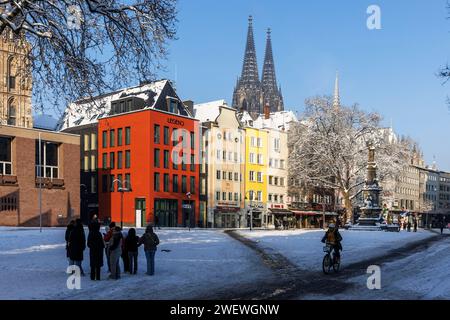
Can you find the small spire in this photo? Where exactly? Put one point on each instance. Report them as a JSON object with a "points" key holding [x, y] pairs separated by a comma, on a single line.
{"points": [[250, 20], [336, 99], [269, 31]]}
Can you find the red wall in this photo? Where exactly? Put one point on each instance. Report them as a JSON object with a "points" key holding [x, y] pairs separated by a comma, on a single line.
{"points": [[142, 164]]}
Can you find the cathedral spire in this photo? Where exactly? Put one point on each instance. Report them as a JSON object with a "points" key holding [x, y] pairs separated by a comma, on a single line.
{"points": [[336, 98], [249, 76], [272, 94]]}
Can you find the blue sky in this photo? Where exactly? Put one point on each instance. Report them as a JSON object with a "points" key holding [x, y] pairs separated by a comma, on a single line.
{"points": [[391, 71]]}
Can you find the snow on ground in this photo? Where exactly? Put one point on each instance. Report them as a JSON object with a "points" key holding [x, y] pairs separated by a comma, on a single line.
{"points": [[421, 276], [33, 266], [304, 247]]}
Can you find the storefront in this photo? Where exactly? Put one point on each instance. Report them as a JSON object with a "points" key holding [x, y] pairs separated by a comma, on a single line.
{"points": [[258, 213], [227, 217], [167, 212], [282, 218], [314, 219]]}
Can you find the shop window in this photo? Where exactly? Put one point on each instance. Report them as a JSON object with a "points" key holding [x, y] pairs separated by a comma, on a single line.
{"points": [[47, 164]]}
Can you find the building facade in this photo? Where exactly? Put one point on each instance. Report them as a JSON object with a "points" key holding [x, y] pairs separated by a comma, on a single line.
{"points": [[15, 81], [250, 93], [149, 167], [38, 169]]}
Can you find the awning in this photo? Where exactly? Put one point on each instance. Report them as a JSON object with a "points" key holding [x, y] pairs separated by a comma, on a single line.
{"points": [[313, 213], [279, 211]]}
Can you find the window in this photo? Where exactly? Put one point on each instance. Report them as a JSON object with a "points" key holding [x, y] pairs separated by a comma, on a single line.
{"points": [[218, 154], [175, 183], [86, 142], [235, 157], [47, 165], [119, 136], [192, 185], [156, 158], [282, 182], [230, 176], [104, 183], [173, 106], [104, 139], [224, 175], [218, 174], [184, 138], [166, 136], [236, 176], [270, 180], [259, 175], [259, 142], [5, 156], [166, 159], [93, 162], [127, 159], [236, 196], [252, 176], [270, 197], [166, 182], [127, 135], [218, 196], [252, 158], [11, 113], [120, 184], [275, 181], [119, 159], [175, 137], [183, 162], [259, 196], [224, 155], [156, 181], [184, 184], [192, 141], [175, 160], [12, 82], [93, 141], [260, 159], [252, 140], [111, 183], [230, 196], [105, 161], [224, 196], [156, 133], [282, 164], [276, 144], [93, 184], [86, 163], [192, 162], [111, 160], [112, 135]]}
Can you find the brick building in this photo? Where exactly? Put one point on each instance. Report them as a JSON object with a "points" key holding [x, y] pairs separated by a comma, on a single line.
{"points": [[25, 173]]}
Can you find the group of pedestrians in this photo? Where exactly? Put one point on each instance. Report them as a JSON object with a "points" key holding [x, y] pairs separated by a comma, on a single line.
{"points": [[115, 244]]}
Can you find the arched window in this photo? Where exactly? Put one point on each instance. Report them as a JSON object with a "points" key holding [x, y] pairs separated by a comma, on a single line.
{"points": [[11, 113], [11, 73]]}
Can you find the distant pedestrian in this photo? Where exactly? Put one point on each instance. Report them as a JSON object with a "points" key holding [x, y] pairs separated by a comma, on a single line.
{"points": [[157, 222], [107, 237], [415, 222], [77, 245], [124, 255], [115, 251], [150, 241], [96, 245], [131, 245], [69, 229], [442, 225]]}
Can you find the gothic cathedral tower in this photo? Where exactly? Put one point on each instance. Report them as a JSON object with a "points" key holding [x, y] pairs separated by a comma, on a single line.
{"points": [[15, 81], [251, 94]]}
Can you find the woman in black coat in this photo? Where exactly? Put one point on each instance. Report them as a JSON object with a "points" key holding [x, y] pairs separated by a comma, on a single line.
{"points": [[69, 229], [77, 244], [96, 245]]}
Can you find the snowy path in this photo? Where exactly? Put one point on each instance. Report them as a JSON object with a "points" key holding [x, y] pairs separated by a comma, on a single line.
{"points": [[32, 266]]}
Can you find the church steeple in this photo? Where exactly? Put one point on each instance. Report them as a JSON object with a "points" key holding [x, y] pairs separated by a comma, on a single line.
{"points": [[250, 76], [272, 94], [336, 97]]}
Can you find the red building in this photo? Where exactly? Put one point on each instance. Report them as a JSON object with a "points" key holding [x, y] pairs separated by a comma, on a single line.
{"points": [[148, 163]]}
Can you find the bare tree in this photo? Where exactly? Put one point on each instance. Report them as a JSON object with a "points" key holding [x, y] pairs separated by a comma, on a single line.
{"points": [[80, 48], [329, 148]]}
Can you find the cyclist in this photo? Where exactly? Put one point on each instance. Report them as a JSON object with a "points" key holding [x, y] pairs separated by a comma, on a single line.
{"points": [[333, 238]]}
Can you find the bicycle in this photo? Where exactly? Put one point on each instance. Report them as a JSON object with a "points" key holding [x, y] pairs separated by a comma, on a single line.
{"points": [[330, 260]]}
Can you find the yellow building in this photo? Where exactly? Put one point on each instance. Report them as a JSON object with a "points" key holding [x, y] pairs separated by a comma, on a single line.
{"points": [[15, 82], [256, 164]]}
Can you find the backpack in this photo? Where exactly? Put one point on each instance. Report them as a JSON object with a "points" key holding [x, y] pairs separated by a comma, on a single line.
{"points": [[331, 237]]}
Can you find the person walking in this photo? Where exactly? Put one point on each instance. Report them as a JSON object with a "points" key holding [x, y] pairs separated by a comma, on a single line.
{"points": [[115, 251], [69, 229], [442, 225], [107, 237], [415, 222], [157, 222], [131, 245], [77, 245], [150, 241], [96, 245]]}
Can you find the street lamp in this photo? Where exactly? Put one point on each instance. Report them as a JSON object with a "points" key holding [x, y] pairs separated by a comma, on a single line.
{"points": [[121, 189], [188, 195], [251, 208]]}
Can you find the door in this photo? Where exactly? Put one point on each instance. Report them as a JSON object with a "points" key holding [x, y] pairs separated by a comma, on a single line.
{"points": [[140, 213]]}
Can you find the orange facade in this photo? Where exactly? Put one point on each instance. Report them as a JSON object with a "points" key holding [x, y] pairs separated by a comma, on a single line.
{"points": [[154, 156]]}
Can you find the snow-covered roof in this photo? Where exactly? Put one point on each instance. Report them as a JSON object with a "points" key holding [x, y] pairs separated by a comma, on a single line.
{"points": [[88, 111], [208, 111], [279, 120], [45, 122]]}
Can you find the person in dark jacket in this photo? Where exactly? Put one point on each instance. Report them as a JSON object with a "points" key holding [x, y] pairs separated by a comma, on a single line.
{"points": [[69, 229], [115, 251], [150, 241], [77, 244], [96, 245], [107, 237], [124, 255], [131, 245]]}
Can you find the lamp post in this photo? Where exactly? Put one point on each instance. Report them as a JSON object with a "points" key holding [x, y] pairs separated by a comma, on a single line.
{"points": [[188, 195], [121, 189], [251, 208], [84, 201]]}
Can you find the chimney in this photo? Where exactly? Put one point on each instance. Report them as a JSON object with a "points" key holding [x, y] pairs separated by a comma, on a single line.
{"points": [[189, 105], [267, 112]]}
